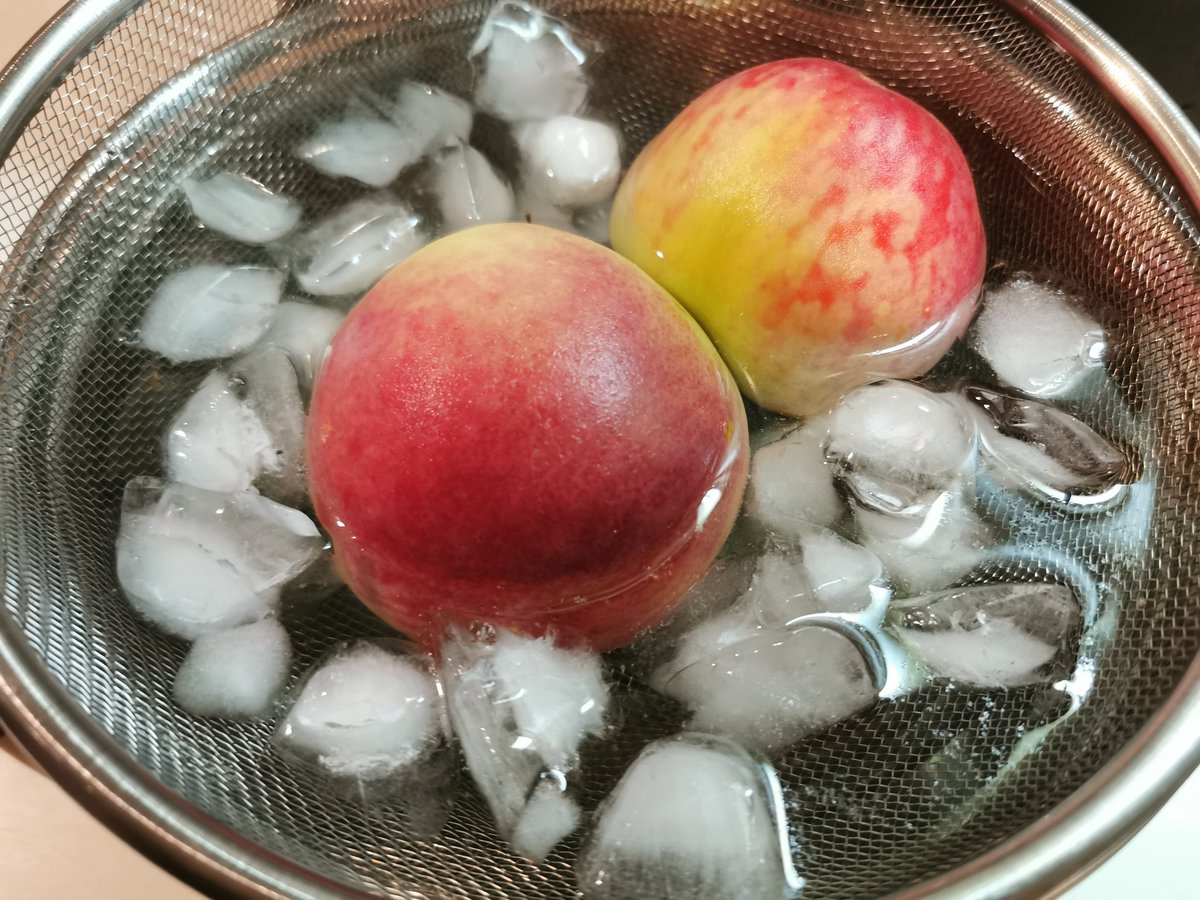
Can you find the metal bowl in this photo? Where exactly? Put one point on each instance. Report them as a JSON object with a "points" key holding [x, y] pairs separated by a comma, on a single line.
{"points": [[1086, 171]]}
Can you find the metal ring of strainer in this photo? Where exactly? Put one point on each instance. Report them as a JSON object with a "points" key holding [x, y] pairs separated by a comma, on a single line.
{"points": [[1085, 171]]}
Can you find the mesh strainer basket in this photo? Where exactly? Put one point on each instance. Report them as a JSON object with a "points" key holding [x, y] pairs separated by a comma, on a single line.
{"points": [[1085, 173]]}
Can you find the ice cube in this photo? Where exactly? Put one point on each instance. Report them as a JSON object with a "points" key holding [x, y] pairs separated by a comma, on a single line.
{"points": [[843, 576], [791, 485], [365, 713], [268, 382], [926, 552], [263, 542], [354, 247], [468, 189], [898, 445], [305, 330], [592, 222], [240, 207], [235, 673], [1032, 446], [781, 589], [241, 428], [705, 641], [1037, 339], [531, 66], [572, 162], [431, 117], [539, 211], [360, 145], [194, 561], [520, 708], [770, 690], [990, 635], [549, 816], [210, 311], [694, 816], [216, 441], [821, 574], [177, 585], [727, 579], [555, 696]]}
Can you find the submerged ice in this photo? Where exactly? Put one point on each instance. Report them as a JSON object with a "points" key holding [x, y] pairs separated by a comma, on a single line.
{"points": [[990, 635], [378, 136], [694, 816], [242, 427], [570, 161], [194, 561], [776, 686], [216, 441], [1031, 445], [791, 485], [530, 66], [1037, 339], [365, 713], [351, 249], [520, 707], [240, 207], [469, 190], [305, 331], [210, 311], [899, 446], [235, 673]]}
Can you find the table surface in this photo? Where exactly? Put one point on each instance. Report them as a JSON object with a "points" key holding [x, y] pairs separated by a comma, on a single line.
{"points": [[51, 849]]}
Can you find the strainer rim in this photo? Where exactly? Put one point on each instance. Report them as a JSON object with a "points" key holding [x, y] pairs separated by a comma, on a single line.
{"points": [[1057, 850]]}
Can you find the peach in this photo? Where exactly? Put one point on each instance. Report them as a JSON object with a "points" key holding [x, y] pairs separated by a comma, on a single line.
{"points": [[823, 229], [516, 426]]}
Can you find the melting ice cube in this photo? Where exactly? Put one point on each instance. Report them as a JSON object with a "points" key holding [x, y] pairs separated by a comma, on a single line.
{"points": [[354, 247], [592, 222], [360, 145], [821, 573], [571, 162], [468, 189], [242, 427], [431, 117], [305, 331], [1034, 446], [771, 689], [926, 552], [531, 66], [235, 673], [991, 635], [520, 707], [1037, 339], [556, 696], [267, 380], [216, 441], [791, 485], [549, 815], [240, 207], [694, 816], [843, 576], [365, 713], [539, 211], [182, 588], [210, 311], [194, 561], [899, 445]]}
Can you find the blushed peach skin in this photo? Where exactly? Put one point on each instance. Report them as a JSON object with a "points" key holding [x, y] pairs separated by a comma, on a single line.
{"points": [[516, 426], [822, 229]]}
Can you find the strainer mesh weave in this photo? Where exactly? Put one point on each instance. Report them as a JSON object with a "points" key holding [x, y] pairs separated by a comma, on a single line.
{"points": [[903, 792]]}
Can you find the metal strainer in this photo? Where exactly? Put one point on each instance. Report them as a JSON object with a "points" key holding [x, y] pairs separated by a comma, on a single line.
{"points": [[1085, 172]]}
